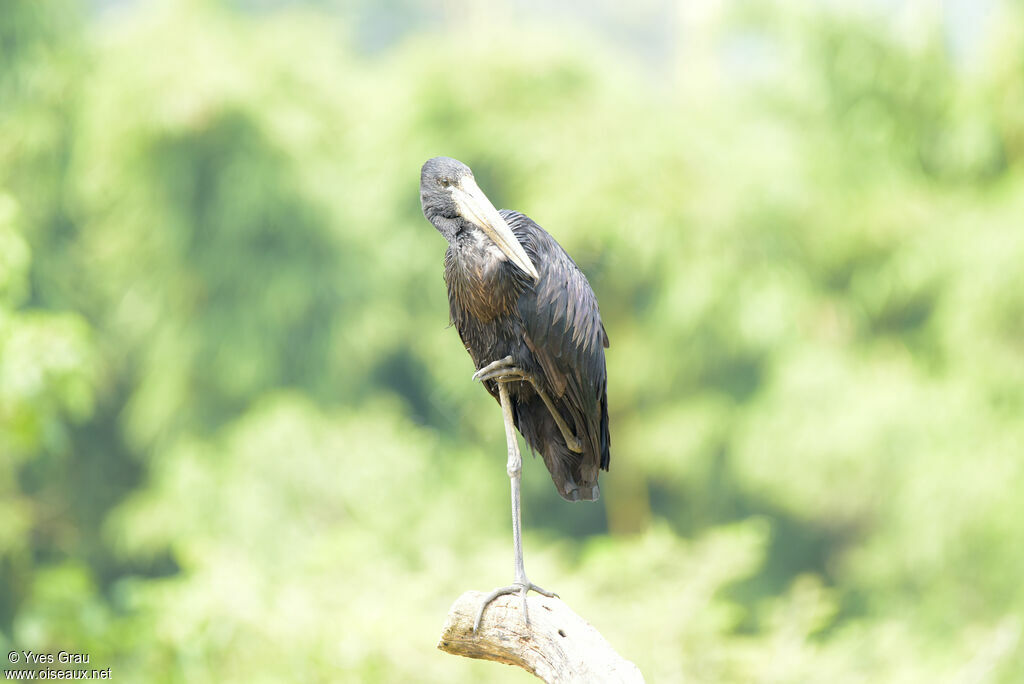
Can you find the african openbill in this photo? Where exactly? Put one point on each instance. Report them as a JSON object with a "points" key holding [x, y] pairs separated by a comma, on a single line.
{"points": [[530, 322]]}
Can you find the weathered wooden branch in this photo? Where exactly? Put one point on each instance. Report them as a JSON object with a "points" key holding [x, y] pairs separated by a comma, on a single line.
{"points": [[557, 646]]}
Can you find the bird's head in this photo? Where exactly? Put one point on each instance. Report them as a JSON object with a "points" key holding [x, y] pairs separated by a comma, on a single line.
{"points": [[453, 202]]}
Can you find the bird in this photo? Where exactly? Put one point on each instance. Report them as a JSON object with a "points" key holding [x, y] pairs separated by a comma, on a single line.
{"points": [[530, 321]]}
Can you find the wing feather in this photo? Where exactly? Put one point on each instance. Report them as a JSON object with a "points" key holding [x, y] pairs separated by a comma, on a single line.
{"points": [[566, 336]]}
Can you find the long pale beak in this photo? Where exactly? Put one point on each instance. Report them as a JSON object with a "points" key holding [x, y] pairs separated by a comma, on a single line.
{"points": [[474, 206]]}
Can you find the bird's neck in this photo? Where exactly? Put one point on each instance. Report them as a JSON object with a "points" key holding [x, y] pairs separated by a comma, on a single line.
{"points": [[481, 281]]}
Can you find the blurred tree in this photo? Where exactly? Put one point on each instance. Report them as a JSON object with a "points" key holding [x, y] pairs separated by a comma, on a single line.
{"points": [[237, 440]]}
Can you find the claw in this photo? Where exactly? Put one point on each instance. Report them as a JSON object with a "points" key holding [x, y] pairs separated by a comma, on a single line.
{"points": [[501, 375], [491, 368], [517, 588]]}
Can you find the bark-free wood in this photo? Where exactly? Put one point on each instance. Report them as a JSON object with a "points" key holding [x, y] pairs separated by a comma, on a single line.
{"points": [[557, 646]]}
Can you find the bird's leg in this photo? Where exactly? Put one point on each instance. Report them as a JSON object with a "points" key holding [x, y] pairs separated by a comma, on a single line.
{"points": [[505, 370], [521, 585]]}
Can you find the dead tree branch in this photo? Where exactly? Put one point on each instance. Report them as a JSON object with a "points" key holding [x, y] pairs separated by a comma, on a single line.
{"points": [[557, 646]]}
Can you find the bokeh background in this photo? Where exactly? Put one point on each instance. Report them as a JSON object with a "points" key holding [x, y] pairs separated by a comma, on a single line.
{"points": [[238, 441]]}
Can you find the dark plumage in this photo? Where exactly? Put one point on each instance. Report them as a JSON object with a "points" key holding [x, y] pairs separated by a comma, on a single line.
{"points": [[547, 321]]}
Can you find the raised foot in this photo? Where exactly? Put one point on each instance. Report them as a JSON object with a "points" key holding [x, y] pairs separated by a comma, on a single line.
{"points": [[520, 588], [502, 369], [505, 370]]}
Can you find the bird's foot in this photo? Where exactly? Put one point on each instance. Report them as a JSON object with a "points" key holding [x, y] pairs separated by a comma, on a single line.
{"points": [[518, 588], [502, 370], [505, 370]]}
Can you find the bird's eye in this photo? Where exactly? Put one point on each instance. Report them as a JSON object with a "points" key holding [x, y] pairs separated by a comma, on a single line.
{"points": [[445, 182]]}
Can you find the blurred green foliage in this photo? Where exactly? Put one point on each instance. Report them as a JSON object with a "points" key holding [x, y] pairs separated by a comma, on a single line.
{"points": [[239, 443]]}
